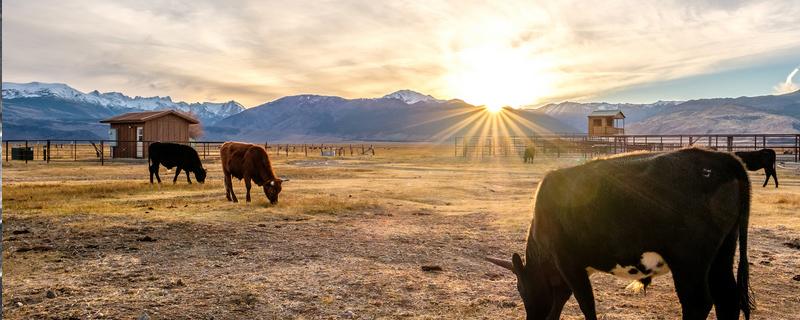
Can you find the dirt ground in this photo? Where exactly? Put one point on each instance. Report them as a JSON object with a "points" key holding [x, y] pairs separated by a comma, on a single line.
{"points": [[348, 240]]}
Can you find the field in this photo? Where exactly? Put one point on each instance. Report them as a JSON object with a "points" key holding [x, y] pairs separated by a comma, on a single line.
{"points": [[349, 239]]}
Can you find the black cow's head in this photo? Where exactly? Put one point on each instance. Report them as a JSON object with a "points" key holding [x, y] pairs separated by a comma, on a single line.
{"points": [[200, 175], [540, 285], [272, 188]]}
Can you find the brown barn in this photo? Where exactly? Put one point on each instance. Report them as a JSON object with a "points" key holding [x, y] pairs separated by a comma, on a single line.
{"points": [[132, 132], [606, 122]]}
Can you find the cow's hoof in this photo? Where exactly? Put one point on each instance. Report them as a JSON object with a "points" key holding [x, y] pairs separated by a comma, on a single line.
{"points": [[235, 201]]}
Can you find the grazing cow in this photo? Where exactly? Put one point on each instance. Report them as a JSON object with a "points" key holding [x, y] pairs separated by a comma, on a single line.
{"points": [[173, 155], [638, 216], [761, 159], [529, 154], [249, 162]]}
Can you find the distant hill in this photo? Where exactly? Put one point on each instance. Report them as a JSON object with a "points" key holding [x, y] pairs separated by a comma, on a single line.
{"points": [[761, 114], [401, 116], [48, 110]]}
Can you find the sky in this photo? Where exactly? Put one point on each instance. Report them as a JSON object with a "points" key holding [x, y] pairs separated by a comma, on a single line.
{"points": [[515, 53]]}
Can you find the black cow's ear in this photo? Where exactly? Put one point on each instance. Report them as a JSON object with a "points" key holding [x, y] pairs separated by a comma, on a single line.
{"points": [[516, 261]]}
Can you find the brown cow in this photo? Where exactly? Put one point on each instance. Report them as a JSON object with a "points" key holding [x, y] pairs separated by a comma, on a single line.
{"points": [[249, 162]]}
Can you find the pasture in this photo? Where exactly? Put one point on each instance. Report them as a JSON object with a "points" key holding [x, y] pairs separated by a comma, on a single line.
{"points": [[350, 238]]}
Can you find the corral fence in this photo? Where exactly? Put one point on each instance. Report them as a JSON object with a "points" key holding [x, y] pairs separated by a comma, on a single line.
{"points": [[787, 146], [102, 151]]}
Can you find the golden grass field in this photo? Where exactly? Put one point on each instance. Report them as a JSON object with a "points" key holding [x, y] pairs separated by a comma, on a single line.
{"points": [[347, 240]]}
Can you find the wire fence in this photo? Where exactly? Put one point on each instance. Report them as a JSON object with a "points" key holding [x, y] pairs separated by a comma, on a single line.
{"points": [[787, 146], [102, 151]]}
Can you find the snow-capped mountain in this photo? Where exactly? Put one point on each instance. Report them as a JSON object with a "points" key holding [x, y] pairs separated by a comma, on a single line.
{"points": [[208, 112], [53, 110], [410, 97]]}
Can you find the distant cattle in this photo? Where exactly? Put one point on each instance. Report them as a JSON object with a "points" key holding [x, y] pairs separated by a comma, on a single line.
{"points": [[530, 153], [172, 155], [249, 162], [761, 159], [638, 216]]}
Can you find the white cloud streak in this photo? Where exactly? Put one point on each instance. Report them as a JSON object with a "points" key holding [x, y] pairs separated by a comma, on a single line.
{"points": [[255, 51], [788, 86]]}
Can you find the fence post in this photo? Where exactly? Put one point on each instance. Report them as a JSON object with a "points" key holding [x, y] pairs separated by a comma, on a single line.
{"points": [[6, 151], [102, 153], [305, 149], [74, 150], [287, 150], [26, 152], [47, 154]]}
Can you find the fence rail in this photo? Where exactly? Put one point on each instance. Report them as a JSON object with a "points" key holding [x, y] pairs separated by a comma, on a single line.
{"points": [[102, 151], [787, 146]]}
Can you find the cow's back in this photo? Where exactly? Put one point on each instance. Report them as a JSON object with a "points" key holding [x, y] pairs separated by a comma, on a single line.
{"points": [[240, 158], [174, 154], [646, 202]]}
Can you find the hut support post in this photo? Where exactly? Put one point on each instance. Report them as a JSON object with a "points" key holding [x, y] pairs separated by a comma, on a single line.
{"points": [[26, 150], [102, 153], [6, 151], [47, 153]]}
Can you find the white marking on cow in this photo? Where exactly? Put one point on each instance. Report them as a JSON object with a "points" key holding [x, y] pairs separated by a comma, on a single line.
{"points": [[707, 173], [653, 263]]}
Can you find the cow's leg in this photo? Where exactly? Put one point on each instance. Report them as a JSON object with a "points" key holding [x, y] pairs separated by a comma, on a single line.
{"points": [[722, 282], [177, 173], [150, 168], [559, 300], [247, 186], [157, 167], [578, 281], [771, 172], [766, 173], [225, 179], [692, 288], [229, 183], [187, 176]]}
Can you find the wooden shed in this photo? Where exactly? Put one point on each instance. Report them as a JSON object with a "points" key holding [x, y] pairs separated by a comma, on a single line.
{"points": [[606, 122], [132, 132]]}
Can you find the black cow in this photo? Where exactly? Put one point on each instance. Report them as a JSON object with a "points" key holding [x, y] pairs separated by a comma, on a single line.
{"points": [[761, 159], [530, 153], [638, 216], [173, 155]]}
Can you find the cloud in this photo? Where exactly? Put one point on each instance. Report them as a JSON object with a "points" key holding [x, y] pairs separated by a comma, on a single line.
{"points": [[255, 51], [788, 86]]}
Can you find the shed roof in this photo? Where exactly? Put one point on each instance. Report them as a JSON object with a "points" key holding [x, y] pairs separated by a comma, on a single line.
{"points": [[132, 117], [617, 114]]}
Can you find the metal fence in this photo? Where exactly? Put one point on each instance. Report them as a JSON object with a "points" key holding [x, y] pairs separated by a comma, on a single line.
{"points": [[102, 151], [787, 146]]}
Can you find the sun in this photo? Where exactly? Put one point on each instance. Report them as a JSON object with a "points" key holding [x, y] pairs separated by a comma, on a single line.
{"points": [[497, 76], [493, 108]]}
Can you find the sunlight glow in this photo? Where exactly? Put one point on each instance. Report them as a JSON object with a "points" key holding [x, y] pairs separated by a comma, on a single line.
{"points": [[498, 74], [493, 108]]}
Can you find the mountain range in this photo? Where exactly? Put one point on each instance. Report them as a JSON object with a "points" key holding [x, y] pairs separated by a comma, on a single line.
{"points": [[399, 116], [46, 111], [38, 110], [761, 114]]}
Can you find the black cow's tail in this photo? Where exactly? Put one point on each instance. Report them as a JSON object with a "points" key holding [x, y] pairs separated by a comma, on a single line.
{"points": [[746, 301]]}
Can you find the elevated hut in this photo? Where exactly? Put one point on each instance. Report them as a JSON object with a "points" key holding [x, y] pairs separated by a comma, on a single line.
{"points": [[606, 122]]}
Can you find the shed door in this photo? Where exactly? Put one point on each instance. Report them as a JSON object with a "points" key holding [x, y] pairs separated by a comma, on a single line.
{"points": [[139, 142]]}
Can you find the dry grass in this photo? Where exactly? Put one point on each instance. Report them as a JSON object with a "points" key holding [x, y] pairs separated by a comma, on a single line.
{"points": [[348, 238]]}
